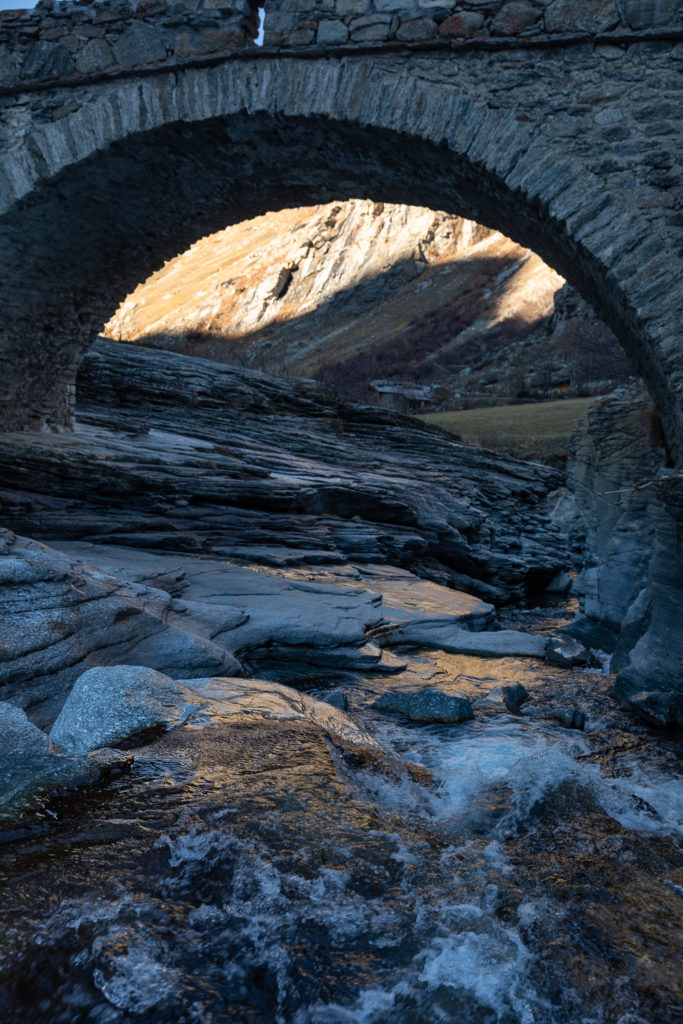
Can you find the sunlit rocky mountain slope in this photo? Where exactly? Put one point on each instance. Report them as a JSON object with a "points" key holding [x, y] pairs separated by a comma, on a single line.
{"points": [[362, 292]]}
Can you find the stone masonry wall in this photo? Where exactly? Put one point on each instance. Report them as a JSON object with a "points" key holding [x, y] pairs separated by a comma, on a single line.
{"points": [[56, 41], [336, 22]]}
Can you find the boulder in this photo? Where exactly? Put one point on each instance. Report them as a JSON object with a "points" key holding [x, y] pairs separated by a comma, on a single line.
{"points": [[59, 617], [560, 584], [659, 707], [427, 705], [108, 705]]}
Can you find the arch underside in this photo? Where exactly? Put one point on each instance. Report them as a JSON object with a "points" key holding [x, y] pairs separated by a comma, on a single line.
{"points": [[83, 238]]}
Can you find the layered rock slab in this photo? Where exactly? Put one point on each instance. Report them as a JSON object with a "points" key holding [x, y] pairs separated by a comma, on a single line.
{"points": [[184, 454], [58, 618]]}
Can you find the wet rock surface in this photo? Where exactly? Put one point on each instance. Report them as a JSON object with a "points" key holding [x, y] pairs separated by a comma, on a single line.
{"points": [[30, 767], [232, 860], [270, 856], [427, 705]]}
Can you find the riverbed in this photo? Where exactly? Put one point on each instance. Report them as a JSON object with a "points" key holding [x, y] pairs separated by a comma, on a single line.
{"points": [[504, 870]]}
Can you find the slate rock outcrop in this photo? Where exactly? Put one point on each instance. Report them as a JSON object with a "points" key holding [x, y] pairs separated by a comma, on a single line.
{"points": [[184, 454]]}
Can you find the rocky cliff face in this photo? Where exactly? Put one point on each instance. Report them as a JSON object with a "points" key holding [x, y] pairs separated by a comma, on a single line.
{"points": [[359, 292]]}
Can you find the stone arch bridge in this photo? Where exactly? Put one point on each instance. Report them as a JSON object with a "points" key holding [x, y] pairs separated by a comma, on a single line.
{"points": [[126, 132]]}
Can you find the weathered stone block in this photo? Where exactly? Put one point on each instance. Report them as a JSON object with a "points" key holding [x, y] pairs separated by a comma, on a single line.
{"points": [[46, 60], [8, 65], [351, 8], [235, 6], [102, 13], [301, 37], [140, 44], [331, 32], [145, 8], [387, 6], [370, 19], [466, 23], [416, 30], [514, 19], [375, 33], [95, 55], [215, 40], [649, 13], [580, 15]]}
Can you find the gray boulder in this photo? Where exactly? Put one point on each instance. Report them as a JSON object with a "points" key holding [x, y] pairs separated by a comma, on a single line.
{"points": [[427, 705], [659, 707], [108, 705]]}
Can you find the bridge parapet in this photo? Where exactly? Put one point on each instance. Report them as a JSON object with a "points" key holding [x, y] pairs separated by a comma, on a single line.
{"points": [[56, 41], [300, 23]]}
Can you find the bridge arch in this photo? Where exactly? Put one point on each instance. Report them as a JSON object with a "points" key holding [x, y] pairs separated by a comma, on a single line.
{"points": [[134, 169]]}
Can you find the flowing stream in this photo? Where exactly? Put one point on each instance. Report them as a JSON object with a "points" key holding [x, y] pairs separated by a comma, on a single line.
{"points": [[502, 871]]}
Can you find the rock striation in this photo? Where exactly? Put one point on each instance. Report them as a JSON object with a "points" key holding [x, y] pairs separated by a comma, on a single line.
{"points": [[182, 454], [203, 520]]}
